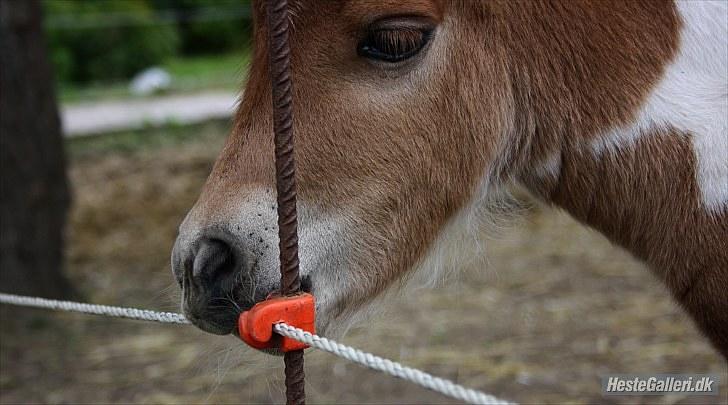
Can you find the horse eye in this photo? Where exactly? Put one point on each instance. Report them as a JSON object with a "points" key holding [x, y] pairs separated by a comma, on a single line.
{"points": [[393, 44]]}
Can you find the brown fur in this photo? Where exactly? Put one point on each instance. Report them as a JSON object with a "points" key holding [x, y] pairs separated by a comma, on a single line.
{"points": [[503, 86], [645, 198], [580, 67]]}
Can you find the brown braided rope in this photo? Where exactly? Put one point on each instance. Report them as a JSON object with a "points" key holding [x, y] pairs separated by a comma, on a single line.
{"points": [[280, 73]]}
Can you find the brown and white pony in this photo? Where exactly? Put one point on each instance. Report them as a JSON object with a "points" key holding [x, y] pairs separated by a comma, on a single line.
{"points": [[412, 117]]}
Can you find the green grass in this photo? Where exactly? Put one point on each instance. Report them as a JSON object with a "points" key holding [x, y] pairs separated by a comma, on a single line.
{"points": [[127, 142], [73, 93], [189, 73], [208, 71]]}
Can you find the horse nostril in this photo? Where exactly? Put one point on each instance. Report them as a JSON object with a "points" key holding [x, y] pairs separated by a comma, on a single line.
{"points": [[215, 279], [213, 260]]}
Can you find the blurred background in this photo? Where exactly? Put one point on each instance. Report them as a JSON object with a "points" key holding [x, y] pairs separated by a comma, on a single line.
{"points": [[112, 113]]}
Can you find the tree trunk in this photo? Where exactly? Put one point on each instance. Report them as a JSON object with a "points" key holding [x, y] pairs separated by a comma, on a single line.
{"points": [[34, 195]]}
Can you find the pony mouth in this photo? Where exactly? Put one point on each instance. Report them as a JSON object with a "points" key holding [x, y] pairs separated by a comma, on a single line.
{"points": [[306, 286], [221, 317]]}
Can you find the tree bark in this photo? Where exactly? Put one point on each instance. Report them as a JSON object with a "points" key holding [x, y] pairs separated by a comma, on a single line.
{"points": [[34, 196]]}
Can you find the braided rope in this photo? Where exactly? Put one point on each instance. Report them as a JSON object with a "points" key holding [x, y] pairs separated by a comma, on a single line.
{"points": [[118, 312], [387, 366], [392, 368]]}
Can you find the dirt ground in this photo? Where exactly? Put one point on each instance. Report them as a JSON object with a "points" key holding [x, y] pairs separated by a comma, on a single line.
{"points": [[557, 307]]}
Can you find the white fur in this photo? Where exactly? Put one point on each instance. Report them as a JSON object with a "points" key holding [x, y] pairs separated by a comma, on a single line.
{"points": [[549, 168], [322, 245], [459, 246], [692, 97]]}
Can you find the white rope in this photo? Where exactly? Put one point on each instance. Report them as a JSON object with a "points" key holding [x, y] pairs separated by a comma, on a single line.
{"points": [[119, 312], [369, 360], [388, 366]]}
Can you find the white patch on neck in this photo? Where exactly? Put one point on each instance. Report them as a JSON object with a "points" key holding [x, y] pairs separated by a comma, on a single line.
{"points": [[692, 97]]}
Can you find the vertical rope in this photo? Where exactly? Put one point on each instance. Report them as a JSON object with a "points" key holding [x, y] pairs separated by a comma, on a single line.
{"points": [[280, 73]]}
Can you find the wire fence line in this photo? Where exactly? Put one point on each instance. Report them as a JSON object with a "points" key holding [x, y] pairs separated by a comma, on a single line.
{"points": [[365, 359]]}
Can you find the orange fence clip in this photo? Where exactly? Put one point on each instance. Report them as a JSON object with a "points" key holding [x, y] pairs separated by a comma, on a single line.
{"points": [[256, 325]]}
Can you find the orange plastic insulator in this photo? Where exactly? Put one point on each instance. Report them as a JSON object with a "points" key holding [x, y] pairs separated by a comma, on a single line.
{"points": [[256, 325]]}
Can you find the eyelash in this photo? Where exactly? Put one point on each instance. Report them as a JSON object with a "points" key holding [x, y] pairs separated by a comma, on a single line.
{"points": [[393, 45]]}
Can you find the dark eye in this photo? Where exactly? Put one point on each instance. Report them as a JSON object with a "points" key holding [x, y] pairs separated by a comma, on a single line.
{"points": [[393, 44]]}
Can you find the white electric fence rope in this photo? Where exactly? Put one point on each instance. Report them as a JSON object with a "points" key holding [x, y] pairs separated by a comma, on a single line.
{"points": [[369, 360], [119, 312], [390, 367]]}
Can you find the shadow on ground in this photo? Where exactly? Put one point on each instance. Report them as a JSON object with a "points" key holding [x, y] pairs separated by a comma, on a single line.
{"points": [[557, 308]]}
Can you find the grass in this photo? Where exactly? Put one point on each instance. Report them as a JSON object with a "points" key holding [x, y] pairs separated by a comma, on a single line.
{"points": [[189, 73], [130, 142], [209, 70]]}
